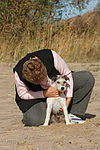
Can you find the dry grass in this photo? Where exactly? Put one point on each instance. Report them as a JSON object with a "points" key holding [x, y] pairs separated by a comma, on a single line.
{"points": [[76, 40]]}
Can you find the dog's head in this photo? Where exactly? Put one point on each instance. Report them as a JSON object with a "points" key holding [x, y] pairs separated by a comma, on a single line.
{"points": [[60, 82]]}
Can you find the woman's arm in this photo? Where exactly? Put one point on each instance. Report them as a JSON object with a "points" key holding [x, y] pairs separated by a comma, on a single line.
{"points": [[62, 67], [25, 93], [23, 90]]}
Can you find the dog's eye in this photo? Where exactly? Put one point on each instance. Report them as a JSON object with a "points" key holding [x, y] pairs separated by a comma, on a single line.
{"points": [[64, 82], [58, 82]]}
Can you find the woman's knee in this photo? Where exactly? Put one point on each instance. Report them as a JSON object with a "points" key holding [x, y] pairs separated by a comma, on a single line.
{"points": [[35, 115], [83, 78], [91, 79]]}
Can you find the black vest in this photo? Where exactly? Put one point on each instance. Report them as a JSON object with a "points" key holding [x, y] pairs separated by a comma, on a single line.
{"points": [[46, 57]]}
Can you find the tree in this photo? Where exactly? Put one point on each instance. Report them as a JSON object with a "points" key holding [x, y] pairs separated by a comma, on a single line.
{"points": [[18, 15]]}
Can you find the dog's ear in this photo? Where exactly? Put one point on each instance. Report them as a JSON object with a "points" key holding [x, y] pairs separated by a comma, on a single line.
{"points": [[66, 78], [54, 78]]}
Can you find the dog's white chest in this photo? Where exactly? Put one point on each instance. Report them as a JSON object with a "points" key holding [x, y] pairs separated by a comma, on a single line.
{"points": [[56, 103]]}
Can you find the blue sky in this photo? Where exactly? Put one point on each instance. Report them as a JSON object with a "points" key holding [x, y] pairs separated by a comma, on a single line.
{"points": [[90, 7]]}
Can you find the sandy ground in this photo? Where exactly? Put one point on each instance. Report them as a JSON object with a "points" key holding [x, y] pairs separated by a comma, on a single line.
{"points": [[14, 136]]}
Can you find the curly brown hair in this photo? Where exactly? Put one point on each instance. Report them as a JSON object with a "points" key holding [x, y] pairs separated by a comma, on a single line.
{"points": [[34, 71]]}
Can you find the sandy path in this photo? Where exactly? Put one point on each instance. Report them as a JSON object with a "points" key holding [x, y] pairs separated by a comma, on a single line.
{"points": [[14, 136]]}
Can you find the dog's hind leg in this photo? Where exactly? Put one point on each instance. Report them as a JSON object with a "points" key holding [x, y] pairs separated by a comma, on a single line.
{"points": [[48, 113]]}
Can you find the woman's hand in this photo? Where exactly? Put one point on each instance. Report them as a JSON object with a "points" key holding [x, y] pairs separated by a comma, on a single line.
{"points": [[51, 92]]}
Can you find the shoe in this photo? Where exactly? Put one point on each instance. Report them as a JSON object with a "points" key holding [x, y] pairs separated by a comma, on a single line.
{"points": [[76, 119]]}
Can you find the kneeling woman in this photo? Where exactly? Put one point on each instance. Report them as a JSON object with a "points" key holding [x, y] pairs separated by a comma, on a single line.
{"points": [[33, 75]]}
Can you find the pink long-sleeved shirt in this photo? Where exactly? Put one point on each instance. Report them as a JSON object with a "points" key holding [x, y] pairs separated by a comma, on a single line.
{"points": [[61, 66]]}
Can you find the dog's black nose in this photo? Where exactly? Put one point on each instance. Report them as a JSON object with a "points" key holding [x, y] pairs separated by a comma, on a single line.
{"points": [[62, 88]]}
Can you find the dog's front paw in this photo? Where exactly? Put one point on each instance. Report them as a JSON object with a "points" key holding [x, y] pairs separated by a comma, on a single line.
{"points": [[45, 124], [68, 122]]}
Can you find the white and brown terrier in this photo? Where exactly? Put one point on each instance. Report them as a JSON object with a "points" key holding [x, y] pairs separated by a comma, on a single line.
{"points": [[55, 103]]}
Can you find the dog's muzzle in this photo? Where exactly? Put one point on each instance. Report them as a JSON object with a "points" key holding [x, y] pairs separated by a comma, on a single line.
{"points": [[62, 89]]}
